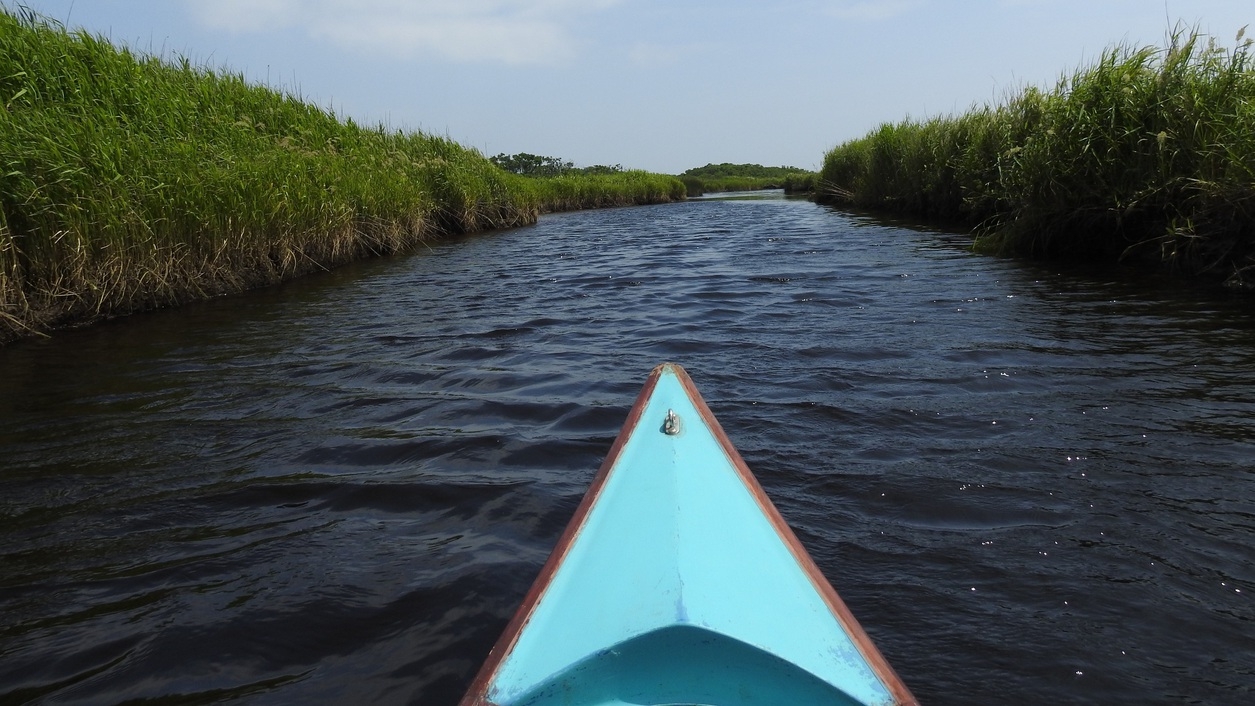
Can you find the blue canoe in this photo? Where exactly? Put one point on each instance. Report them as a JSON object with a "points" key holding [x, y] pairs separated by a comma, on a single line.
{"points": [[678, 582]]}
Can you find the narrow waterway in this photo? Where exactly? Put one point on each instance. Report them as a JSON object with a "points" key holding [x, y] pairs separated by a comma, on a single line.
{"points": [[1031, 485]]}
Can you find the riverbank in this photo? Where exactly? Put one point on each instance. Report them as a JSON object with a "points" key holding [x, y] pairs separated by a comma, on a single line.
{"points": [[129, 182], [719, 178], [1147, 155], [572, 192]]}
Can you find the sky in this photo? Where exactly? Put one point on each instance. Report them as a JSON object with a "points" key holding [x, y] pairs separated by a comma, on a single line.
{"points": [[647, 84]]}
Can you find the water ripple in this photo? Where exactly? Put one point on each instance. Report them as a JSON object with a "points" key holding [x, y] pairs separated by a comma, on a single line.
{"points": [[338, 490]]}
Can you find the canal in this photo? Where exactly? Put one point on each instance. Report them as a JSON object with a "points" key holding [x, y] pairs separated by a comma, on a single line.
{"points": [[1031, 484]]}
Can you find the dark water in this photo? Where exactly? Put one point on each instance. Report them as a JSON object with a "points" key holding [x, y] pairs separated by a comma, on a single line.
{"points": [[1031, 487]]}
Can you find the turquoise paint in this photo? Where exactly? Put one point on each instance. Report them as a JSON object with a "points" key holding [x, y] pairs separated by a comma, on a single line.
{"points": [[685, 665], [676, 569]]}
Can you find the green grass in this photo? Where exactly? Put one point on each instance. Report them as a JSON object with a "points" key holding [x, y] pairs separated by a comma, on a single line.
{"points": [[591, 190], [744, 177], [1148, 154], [129, 182]]}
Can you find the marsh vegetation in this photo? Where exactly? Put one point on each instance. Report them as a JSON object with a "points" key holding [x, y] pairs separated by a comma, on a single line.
{"points": [[562, 186], [130, 182], [745, 177], [1148, 154]]}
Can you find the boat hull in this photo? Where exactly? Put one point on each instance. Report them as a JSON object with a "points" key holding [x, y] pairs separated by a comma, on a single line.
{"points": [[677, 581]]}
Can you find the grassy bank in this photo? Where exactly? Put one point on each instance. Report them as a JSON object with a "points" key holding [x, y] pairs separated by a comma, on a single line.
{"points": [[1148, 154], [561, 186], [578, 191], [717, 178], [129, 182]]}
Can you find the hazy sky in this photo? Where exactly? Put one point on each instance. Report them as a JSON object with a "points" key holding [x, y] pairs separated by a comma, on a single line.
{"points": [[648, 84]]}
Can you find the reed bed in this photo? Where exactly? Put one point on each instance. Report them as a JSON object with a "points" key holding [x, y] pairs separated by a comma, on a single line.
{"points": [[129, 182], [744, 177], [569, 192], [795, 182], [1146, 155], [708, 185], [799, 183]]}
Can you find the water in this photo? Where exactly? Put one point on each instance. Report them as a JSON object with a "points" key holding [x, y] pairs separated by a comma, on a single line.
{"points": [[1030, 485]]}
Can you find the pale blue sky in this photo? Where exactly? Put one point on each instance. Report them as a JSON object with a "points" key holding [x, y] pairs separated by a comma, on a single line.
{"points": [[651, 84]]}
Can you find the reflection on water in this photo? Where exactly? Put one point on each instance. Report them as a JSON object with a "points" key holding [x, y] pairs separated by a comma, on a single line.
{"points": [[1030, 485]]}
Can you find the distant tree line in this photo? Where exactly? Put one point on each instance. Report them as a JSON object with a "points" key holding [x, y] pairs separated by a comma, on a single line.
{"points": [[721, 171], [714, 178], [535, 165], [697, 181]]}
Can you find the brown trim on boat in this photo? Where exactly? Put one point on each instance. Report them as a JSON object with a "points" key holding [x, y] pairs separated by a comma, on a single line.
{"points": [[477, 694], [901, 695]]}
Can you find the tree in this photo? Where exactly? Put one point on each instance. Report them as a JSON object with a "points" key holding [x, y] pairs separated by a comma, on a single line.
{"points": [[533, 165], [602, 169]]}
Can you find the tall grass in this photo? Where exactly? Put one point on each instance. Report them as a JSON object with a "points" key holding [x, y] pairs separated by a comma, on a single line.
{"points": [[797, 181], [707, 185], [745, 177], [1149, 153], [801, 182], [129, 182], [573, 191]]}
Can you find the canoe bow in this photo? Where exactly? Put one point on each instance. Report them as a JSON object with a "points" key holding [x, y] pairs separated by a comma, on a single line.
{"points": [[678, 581]]}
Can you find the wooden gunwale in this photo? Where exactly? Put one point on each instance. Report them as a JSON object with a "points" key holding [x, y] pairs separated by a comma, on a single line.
{"points": [[477, 694]]}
